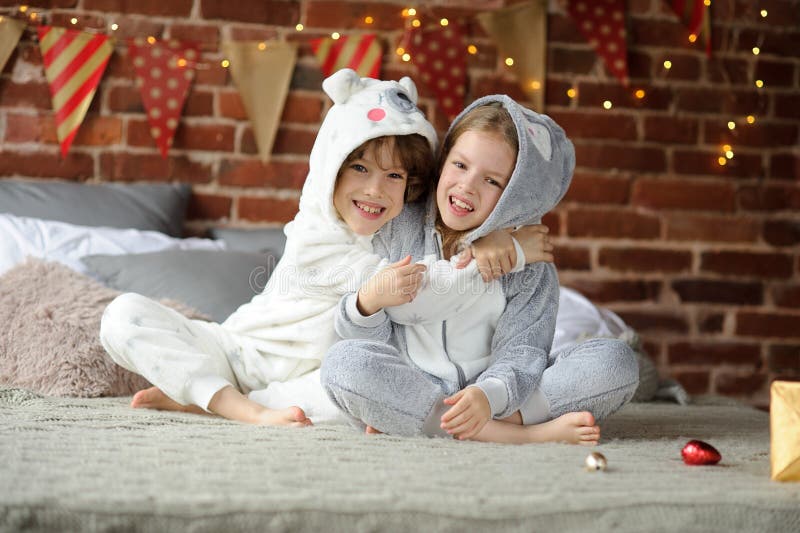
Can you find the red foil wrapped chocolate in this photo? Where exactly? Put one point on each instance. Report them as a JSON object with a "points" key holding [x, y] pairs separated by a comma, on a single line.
{"points": [[697, 452]]}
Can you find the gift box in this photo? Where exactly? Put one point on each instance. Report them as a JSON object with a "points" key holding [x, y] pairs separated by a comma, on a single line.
{"points": [[784, 422]]}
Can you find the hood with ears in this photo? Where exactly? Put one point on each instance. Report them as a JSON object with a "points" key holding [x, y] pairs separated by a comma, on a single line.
{"points": [[363, 109], [542, 174]]}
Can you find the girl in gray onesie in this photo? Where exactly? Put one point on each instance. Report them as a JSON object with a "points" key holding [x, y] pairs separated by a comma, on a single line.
{"points": [[473, 359]]}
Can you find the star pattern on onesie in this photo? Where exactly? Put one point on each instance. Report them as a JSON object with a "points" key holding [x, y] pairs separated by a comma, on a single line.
{"points": [[602, 23]]}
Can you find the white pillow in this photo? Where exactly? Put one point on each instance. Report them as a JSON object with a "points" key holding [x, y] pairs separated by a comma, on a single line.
{"points": [[67, 243]]}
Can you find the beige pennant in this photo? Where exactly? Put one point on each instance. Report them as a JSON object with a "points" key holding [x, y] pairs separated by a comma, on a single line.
{"points": [[262, 72], [520, 32], [10, 32]]}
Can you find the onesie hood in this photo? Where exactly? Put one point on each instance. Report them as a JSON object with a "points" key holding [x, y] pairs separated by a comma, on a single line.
{"points": [[541, 176], [363, 109]]}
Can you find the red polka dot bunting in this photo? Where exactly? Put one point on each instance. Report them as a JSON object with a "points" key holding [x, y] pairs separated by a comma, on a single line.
{"points": [[164, 72], [602, 23], [439, 52]]}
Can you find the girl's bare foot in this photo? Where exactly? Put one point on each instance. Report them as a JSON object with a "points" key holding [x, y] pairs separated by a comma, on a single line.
{"points": [[573, 428], [154, 398], [291, 416], [372, 431]]}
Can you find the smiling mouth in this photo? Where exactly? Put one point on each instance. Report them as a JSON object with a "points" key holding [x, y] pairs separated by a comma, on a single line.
{"points": [[461, 205], [369, 210]]}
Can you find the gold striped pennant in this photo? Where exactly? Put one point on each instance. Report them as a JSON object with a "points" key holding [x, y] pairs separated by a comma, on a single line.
{"points": [[361, 53], [74, 63]]}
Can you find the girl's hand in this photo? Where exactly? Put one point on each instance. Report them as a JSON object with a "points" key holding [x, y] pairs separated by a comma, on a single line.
{"points": [[394, 285], [535, 243], [494, 253], [469, 413]]}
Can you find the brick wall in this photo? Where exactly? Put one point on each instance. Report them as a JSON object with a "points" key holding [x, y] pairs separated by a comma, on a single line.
{"points": [[703, 260]]}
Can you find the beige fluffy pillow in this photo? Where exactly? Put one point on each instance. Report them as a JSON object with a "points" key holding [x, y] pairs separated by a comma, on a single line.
{"points": [[49, 333]]}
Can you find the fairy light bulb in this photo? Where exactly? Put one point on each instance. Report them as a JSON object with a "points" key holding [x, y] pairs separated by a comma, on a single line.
{"points": [[607, 104], [722, 161], [151, 40], [114, 27], [411, 11], [406, 57], [692, 38], [23, 9], [444, 22], [225, 63], [759, 83], [536, 85], [472, 49], [667, 64], [34, 16], [181, 62], [510, 61], [706, 3], [73, 21], [729, 154], [726, 147], [400, 50], [299, 27], [731, 125], [369, 20], [416, 23], [639, 94], [763, 13], [756, 50], [572, 92], [751, 119]]}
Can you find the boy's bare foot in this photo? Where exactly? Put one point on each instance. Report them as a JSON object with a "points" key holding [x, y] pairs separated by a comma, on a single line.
{"points": [[573, 428], [154, 398], [372, 431], [291, 416]]}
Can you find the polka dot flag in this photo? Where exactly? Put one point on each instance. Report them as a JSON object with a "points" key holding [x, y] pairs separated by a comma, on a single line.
{"points": [[164, 72], [439, 52], [602, 22]]}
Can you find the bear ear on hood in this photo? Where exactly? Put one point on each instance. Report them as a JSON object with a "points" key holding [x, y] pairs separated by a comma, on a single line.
{"points": [[342, 84], [407, 84]]}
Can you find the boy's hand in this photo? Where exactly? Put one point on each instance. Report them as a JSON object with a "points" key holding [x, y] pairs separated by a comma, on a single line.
{"points": [[469, 413], [394, 285], [535, 243], [494, 253]]}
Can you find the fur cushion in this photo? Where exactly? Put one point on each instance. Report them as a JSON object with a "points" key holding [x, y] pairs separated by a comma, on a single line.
{"points": [[49, 333]]}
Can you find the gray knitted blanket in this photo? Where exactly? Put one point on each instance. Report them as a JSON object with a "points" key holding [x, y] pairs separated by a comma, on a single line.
{"points": [[96, 465]]}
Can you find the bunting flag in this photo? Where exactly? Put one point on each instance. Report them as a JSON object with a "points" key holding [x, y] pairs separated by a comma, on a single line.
{"points": [[262, 72], [603, 25], [74, 63], [438, 53], [10, 32], [520, 32], [164, 72], [696, 15], [361, 53]]}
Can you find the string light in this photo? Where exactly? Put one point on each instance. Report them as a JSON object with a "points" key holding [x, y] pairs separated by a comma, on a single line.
{"points": [[34, 16], [412, 11], [114, 27], [262, 46], [181, 62], [510, 61], [759, 83], [731, 125], [536, 85], [667, 64], [472, 49], [751, 119], [722, 161], [369, 20], [707, 3], [335, 35], [726, 147], [756, 50], [763, 13], [729, 154], [406, 57], [225, 63], [299, 27], [607, 104], [405, 12], [400, 50], [73, 20], [151, 39], [444, 22], [416, 23], [692, 38], [572, 92], [23, 9], [639, 93]]}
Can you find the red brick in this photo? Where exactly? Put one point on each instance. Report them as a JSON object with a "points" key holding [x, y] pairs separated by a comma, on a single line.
{"points": [[762, 134], [787, 105], [138, 134], [726, 383], [699, 100], [785, 166], [640, 66], [786, 295], [120, 67], [687, 227], [775, 73], [769, 198], [310, 77], [117, 166], [211, 137], [616, 224], [572, 258], [654, 321], [671, 130], [122, 99], [254, 173], [781, 44], [742, 165], [604, 291], [63, 19], [209, 207], [761, 265], [212, 73], [562, 29], [710, 322], [292, 141], [231, 105], [250, 33], [206, 37], [199, 103], [713, 353], [719, 292], [657, 32], [779, 325], [784, 357], [728, 70], [644, 260], [302, 109], [570, 61], [592, 94], [782, 232], [695, 382], [620, 157], [351, 15], [580, 125], [485, 58], [267, 209], [277, 13], [46, 165], [673, 194], [684, 67], [494, 84], [30, 128], [597, 189], [33, 94], [556, 94], [172, 8], [130, 27]]}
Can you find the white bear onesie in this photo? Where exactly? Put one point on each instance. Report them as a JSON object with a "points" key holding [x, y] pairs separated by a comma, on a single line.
{"points": [[285, 331]]}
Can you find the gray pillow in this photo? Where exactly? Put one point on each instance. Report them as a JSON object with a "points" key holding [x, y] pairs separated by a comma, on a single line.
{"points": [[214, 282], [148, 206], [258, 240]]}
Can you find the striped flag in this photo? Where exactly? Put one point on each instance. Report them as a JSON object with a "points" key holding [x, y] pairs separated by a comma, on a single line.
{"points": [[696, 15], [361, 53], [74, 62]]}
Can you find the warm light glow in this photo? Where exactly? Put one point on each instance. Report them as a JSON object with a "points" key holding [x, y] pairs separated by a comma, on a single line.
{"points": [[472, 49], [751, 119], [181, 62], [33, 16], [406, 57], [572, 93], [151, 40], [536, 85], [667, 64], [114, 27], [23, 9], [412, 11], [262, 46], [692, 38], [764, 13], [726, 148], [510, 61], [405, 12], [639, 94], [225, 63], [400, 50], [335, 35], [369, 20], [756, 50], [707, 2], [722, 161], [731, 125], [416, 23], [759, 83], [73, 20], [729, 154], [444, 22], [607, 104]]}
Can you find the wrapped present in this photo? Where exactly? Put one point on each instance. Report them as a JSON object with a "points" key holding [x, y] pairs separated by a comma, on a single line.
{"points": [[784, 421]]}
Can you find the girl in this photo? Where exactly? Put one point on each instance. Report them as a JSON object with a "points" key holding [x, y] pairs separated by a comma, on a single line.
{"points": [[421, 369]]}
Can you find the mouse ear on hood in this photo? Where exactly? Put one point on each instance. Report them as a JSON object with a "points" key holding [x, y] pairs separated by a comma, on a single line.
{"points": [[407, 84], [342, 84]]}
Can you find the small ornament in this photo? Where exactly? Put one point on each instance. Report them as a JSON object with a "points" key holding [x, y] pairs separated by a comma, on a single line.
{"points": [[697, 452], [595, 461]]}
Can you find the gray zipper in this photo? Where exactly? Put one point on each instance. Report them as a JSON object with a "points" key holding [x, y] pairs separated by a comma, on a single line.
{"points": [[462, 379]]}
